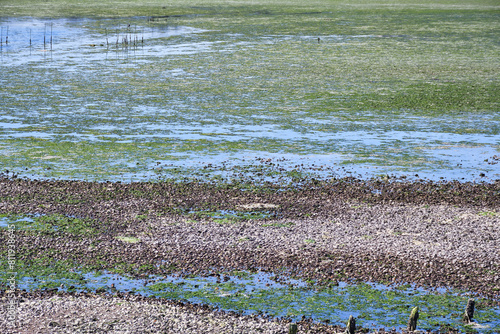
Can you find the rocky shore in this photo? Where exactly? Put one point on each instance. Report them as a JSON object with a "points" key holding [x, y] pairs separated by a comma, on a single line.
{"points": [[431, 234]]}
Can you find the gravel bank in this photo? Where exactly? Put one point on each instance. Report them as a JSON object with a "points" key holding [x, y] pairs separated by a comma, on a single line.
{"points": [[431, 245], [87, 313], [429, 234]]}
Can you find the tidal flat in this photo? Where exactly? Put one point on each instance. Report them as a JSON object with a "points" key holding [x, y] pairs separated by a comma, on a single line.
{"points": [[233, 166], [312, 253], [131, 91]]}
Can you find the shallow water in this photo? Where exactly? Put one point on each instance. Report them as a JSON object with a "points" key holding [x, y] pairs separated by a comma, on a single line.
{"points": [[92, 106], [78, 41], [373, 305], [6, 221]]}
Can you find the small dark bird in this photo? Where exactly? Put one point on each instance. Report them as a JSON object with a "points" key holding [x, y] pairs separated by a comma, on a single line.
{"points": [[319, 39]]}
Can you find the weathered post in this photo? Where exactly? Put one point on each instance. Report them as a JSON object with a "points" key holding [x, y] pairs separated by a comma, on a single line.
{"points": [[469, 311], [351, 325], [412, 322], [292, 329]]}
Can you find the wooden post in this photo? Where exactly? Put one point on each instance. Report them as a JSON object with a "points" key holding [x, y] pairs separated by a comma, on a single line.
{"points": [[292, 329], [412, 322], [469, 311], [351, 325]]}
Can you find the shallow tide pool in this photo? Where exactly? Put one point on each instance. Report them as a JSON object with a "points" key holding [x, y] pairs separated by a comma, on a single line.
{"points": [[373, 305]]}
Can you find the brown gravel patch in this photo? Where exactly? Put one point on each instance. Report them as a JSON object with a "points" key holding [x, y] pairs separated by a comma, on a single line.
{"points": [[434, 246], [88, 313]]}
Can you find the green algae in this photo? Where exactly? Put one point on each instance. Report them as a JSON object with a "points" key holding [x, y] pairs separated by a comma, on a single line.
{"points": [[51, 225], [384, 87], [132, 240]]}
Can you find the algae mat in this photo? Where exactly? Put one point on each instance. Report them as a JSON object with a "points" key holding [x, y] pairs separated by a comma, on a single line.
{"points": [[144, 91]]}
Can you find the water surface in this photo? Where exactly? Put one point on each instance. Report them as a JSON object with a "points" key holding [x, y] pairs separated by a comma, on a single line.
{"points": [[130, 99]]}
